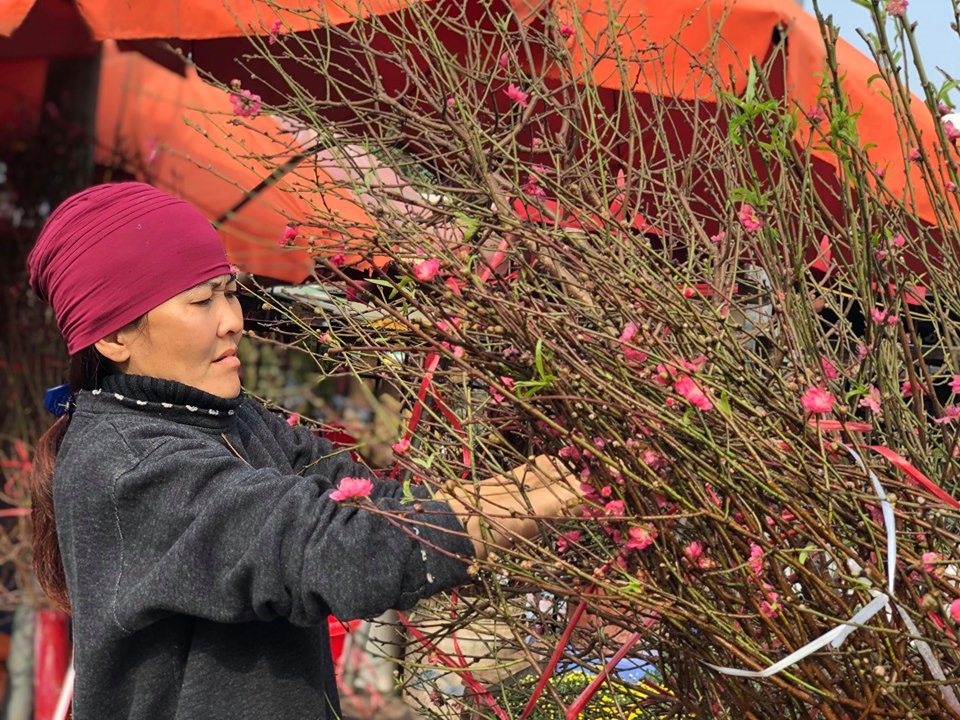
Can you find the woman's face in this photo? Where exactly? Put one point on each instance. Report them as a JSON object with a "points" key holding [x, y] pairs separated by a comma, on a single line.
{"points": [[191, 338]]}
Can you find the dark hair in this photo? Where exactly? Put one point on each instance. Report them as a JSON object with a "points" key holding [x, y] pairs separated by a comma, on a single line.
{"points": [[88, 368]]}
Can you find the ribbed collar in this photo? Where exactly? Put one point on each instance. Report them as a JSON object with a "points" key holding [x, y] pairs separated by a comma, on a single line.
{"points": [[166, 391], [164, 398]]}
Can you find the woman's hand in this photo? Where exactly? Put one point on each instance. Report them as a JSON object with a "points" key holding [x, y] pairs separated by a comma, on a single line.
{"points": [[502, 509]]}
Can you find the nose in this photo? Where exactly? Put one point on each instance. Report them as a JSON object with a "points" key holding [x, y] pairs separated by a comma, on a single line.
{"points": [[231, 317]]}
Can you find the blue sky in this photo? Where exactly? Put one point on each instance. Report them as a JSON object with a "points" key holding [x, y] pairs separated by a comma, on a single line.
{"points": [[939, 45]]}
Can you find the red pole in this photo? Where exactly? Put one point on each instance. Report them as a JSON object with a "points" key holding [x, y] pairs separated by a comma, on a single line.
{"points": [[51, 659]]}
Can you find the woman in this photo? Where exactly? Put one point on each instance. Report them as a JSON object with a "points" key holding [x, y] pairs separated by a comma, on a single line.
{"points": [[197, 538]]}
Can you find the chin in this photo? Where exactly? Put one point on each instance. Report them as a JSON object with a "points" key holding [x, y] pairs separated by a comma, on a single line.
{"points": [[227, 390], [231, 393]]}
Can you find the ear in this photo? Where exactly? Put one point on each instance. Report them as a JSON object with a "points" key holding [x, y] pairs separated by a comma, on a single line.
{"points": [[114, 348]]}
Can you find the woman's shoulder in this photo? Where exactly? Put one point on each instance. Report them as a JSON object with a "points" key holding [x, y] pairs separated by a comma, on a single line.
{"points": [[106, 425]]}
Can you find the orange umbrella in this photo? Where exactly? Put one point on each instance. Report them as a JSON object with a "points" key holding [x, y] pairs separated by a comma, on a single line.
{"points": [[182, 135], [724, 35]]}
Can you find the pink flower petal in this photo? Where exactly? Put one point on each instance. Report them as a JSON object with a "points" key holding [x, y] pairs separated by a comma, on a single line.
{"points": [[955, 610]]}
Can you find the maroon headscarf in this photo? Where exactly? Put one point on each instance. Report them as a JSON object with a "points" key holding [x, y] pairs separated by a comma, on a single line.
{"points": [[113, 252]]}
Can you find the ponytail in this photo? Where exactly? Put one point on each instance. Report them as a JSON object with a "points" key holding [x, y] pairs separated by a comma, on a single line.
{"points": [[87, 370], [47, 563]]}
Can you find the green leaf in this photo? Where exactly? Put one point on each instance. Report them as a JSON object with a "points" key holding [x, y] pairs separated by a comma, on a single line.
{"points": [[751, 92], [723, 404], [538, 358]]}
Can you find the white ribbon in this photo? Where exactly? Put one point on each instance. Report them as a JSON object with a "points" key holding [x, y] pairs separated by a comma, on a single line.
{"points": [[837, 635]]}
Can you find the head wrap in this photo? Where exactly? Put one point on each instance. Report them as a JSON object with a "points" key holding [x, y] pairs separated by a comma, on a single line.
{"points": [[113, 252]]}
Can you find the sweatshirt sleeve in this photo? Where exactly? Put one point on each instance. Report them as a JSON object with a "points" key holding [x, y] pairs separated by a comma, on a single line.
{"points": [[204, 533]]}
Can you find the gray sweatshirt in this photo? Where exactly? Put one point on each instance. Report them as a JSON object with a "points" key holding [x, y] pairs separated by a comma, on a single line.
{"points": [[203, 556]]}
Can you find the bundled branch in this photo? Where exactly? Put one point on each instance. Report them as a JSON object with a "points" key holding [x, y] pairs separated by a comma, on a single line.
{"points": [[747, 353]]}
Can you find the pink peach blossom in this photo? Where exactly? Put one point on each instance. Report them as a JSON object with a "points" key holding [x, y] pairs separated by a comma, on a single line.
{"points": [[696, 555], [816, 115], [351, 488], [955, 610], [829, 369], [289, 235], [688, 389], [614, 507], [756, 559], [749, 218], [950, 414], [871, 400], [883, 317], [246, 103], [517, 95], [771, 605], [930, 560], [641, 537], [817, 400], [629, 332], [564, 541], [897, 8], [907, 389], [274, 31], [633, 356], [425, 271]]}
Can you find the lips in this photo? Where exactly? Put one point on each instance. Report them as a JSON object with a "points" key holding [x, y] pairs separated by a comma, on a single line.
{"points": [[226, 354]]}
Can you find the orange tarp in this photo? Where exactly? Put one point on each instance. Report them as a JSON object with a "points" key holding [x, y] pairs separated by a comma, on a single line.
{"points": [[202, 19], [180, 134]]}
